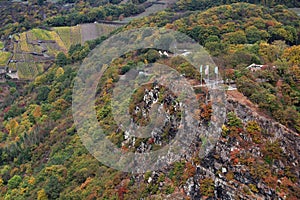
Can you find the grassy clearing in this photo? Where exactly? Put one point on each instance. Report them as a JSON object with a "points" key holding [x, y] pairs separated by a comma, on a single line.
{"points": [[27, 70], [16, 47], [40, 34], [28, 57], [69, 35], [75, 35], [37, 48], [40, 67], [59, 41], [1, 45], [12, 66], [65, 35], [24, 46], [4, 57], [18, 56]]}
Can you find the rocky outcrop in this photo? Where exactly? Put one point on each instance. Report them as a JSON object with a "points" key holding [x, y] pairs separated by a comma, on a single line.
{"points": [[236, 179], [237, 166]]}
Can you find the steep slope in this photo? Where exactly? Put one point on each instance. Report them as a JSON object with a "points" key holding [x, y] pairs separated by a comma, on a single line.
{"points": [[41, 154], [256, 157]]}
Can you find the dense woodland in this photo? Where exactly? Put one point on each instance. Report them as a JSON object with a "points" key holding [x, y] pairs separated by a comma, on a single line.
{"points": [[204, 4], [41, 155], [19, 17], [241, 34]]}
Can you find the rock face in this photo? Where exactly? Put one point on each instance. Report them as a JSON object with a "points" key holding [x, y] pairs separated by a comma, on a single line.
{"points": [[243, 164], [243, 169], [254, 158]]}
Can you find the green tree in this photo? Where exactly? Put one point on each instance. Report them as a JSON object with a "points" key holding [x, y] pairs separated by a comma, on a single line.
{"points": [[152, 55], [43, 93], [61, 59], [53, 187], [292, 55], [253, 34], [14, 182], [40, 2], [238, 37], [207, 187]]}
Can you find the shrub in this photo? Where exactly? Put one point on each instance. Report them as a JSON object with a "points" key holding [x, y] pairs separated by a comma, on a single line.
{"points": [[207, 187], [14, 182]]}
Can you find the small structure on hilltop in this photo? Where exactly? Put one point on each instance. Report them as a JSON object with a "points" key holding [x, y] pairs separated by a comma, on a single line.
{"points": [[13, 74], [254, 67]]}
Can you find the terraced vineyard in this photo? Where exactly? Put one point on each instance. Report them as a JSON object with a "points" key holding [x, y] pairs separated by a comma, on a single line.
{"points": [[1, 45], [36, 49], [23, 45], [75, 34], [4, 57], [28, 70], [45, 35], [95, 30], [27, 47], [69, 35]]}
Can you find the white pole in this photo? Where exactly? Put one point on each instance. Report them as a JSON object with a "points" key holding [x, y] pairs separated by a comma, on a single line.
{"points": [[208, 73], [201, 74], [216, 74]]}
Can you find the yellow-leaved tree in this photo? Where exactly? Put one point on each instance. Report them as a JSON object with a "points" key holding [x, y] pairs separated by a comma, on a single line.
{"points": [[42, 195], [292, 55]]}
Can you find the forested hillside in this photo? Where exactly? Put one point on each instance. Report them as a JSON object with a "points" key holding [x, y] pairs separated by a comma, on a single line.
{"points": [[257, 154], [18, 17], [238, 35], [204, 4]]}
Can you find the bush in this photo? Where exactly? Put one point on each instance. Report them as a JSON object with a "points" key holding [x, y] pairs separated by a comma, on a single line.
{"points": [[207, 187], [14, 182], [234, 121], [53, 187], [43, 92], [61, 59], [152, 55]]}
